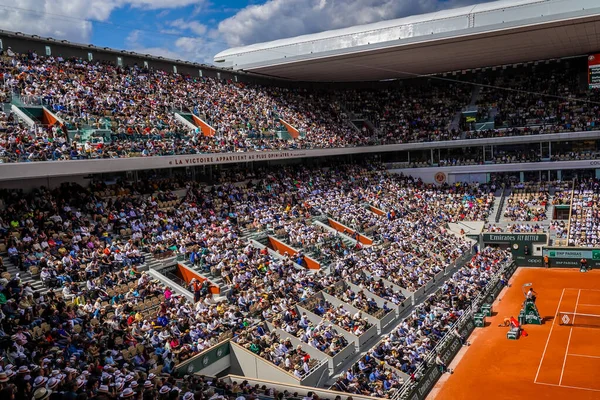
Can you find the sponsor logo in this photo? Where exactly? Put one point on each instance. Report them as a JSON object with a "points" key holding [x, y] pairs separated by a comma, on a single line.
{"points": [[534, 260], [440, 177], [593, 254], [516, 238], [570, 263]]}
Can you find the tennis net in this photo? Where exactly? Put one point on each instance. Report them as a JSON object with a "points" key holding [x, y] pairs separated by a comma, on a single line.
{"points": [[578, 319]]}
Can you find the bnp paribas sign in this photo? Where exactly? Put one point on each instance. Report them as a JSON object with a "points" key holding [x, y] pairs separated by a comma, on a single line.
{"points": [[579, 254]]}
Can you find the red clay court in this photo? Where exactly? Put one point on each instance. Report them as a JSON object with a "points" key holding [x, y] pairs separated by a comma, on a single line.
{"points": [[554, 361]]}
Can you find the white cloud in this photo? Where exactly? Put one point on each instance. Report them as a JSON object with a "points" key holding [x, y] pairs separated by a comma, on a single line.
{"points": [[193, 26], [60, 19], [133, 38], [70, 19], [278, 19], [159, 4], [158, 51]]}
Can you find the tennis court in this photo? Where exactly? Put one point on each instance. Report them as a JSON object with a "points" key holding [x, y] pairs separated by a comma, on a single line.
{"points": [[572, 352], [560, 358]]}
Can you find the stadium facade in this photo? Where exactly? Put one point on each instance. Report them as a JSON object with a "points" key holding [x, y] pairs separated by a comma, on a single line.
{"points": [[484, 35]]}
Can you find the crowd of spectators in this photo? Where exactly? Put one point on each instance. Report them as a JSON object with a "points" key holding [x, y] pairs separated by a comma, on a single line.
{"points": [[408, 345], [421, 112], [110, 111], [527, 202], [321, 336], [585, 214], [516, 228], [91, 241], [544, 98], [354, 323]]}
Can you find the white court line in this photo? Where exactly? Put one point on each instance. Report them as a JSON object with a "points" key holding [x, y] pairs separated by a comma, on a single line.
{"points": [[562, 372], [590, 305], [593, 290], [567, 387], [583, 355], [550, 334]]}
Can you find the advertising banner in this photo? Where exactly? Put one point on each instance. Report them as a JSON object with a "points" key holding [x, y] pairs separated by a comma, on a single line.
{"points": [[594, 71]]}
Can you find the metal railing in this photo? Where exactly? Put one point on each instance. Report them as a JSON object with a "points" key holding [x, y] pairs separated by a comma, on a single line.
{"points": [[501, 205]]}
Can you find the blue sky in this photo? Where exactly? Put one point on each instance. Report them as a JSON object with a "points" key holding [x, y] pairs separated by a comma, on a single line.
{"points": [[196, 30]]}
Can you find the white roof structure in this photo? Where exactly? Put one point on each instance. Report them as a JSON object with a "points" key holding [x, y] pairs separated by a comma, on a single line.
{"points": [[489, 34]]}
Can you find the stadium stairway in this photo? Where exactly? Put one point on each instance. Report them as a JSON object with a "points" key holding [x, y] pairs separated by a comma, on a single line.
{"points": [[38, 286], [36, 283], [215, 279], [475, 96], [507, 193], [497, 204], [153, 263]]}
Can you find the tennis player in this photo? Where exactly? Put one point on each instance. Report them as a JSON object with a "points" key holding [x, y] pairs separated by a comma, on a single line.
{"points": [[531, 295]]}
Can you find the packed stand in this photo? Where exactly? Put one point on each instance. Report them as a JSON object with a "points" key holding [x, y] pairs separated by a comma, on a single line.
{"points": [[541, 99], [410, 343], [527, 202], [585, 214], [321, 336], [104, 294], [450, 203], [516, 228], [281, 352], [421, 112], [355, 323], [360, 300], [370, 377]]}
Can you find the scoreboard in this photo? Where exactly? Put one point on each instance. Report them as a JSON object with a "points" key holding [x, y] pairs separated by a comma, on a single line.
{"points": [[594, 71]]}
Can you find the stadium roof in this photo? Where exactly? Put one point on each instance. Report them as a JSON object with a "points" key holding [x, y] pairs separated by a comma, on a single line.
{"points": [[483, 35]]}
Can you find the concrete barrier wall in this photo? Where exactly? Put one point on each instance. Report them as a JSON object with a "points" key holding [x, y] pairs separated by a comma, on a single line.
{"points": [[176, 288], [386, 319], [316, 375], [211, 361], [315, 319], [369, 333], [344, 354], [301, 390], [187, 274], [329, 228], [253, 366], [407, 293], [272, 252], [283, 248], [338, 226], [440, 276]]}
